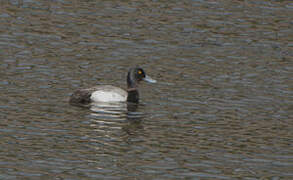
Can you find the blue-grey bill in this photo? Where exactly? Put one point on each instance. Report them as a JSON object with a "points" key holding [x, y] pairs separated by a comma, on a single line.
{"points": [[149, 79]]}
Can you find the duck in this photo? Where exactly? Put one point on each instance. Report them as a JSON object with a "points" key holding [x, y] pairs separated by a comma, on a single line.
{"points": [[109, 93]]}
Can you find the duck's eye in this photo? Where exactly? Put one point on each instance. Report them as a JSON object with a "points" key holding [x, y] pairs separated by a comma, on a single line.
{"points": [[139, 72]]}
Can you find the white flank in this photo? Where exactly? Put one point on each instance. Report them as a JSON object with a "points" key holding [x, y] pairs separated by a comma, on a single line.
{"points": [[102, 96]]}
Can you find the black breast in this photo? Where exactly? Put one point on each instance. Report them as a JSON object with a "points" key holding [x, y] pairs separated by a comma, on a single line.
{"points": [[133, 96]]}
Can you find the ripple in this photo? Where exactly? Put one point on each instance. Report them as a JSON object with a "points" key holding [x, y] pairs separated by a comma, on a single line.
{"points": [[221, 108]]}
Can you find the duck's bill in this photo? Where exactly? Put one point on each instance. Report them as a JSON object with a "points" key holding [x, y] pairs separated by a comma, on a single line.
{"points": [[149, 79]]}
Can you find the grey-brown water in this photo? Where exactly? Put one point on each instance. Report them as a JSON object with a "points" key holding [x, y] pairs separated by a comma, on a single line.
{"points": [[222, 107]]}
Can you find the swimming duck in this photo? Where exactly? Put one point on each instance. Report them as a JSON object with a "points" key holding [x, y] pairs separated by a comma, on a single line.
{"points": [[108, 93]]}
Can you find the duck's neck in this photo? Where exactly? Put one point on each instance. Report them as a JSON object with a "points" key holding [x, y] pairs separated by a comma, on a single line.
{"points": [[132, 89]]}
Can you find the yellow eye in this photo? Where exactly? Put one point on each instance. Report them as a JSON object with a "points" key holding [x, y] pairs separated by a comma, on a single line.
{"points": [[139, 72]]}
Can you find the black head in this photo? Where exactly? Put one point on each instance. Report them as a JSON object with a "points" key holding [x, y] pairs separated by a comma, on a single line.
{"points": [[134, 76]]}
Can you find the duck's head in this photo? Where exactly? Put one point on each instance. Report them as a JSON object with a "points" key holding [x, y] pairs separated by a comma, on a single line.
{"points": [[135, 75]]}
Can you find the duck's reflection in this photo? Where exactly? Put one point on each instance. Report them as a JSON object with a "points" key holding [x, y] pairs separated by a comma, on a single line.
{"points": [[109, 110], [108, 117]]}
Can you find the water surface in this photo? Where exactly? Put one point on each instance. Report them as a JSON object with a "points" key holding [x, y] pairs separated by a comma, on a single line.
{"points": [[222, 107]]}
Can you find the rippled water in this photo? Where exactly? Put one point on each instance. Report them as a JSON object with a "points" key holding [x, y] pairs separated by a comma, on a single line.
{"points": [[222, 107]]}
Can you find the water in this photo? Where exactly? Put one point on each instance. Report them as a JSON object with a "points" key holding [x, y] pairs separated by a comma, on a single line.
{"points": [[222, 107]]}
